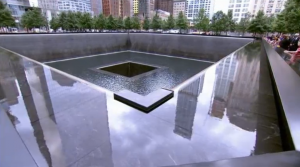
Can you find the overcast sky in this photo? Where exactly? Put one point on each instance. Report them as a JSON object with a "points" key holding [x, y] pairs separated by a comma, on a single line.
{"points": [[221, 5]]}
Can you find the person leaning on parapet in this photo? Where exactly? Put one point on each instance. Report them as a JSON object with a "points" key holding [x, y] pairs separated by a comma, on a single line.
{"points": [[294, 54], [284, 42]]}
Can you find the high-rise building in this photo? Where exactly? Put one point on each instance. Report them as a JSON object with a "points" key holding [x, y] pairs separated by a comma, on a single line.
{"points": [[193, 7], [146, 8], [240, 8], [49, 8], [126, 8], [178, 6], [268, 6], [165, 5], [75, 6], [111, 7], [96, 6], [135, 4], [186, 107], [17, 7]]}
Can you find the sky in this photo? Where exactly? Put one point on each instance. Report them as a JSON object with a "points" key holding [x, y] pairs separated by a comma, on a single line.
{"points": [[221, 5]]}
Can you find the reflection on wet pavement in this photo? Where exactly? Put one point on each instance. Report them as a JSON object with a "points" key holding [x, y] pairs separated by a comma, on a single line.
{"points": [[226, 112]]}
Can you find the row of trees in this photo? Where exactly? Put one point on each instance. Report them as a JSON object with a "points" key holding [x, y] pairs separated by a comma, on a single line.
{"points": [[72, 21]]}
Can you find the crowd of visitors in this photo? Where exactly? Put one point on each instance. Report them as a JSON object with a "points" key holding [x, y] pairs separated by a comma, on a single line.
{"points": [[290, 44]]}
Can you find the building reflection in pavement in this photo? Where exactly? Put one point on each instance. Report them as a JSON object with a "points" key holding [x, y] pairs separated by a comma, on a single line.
{"points": [[51, 147], [186, 107]]}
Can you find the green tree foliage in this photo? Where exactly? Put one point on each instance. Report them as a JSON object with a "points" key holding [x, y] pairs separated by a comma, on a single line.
{"points": [[111, 23], [156, 22], [170, 22], [62, 19], [6, 19], [279, 24], [270, 23], [201, 22], [33, 19], [72, 21], [127, 23], [146, 24], [54, 23], [291, 15], [120, 23], [259, 24], [181, 22], [218, 22], [230, 22], [164, 25], [85, 22], [135, 23], [243, 25], [100, 22]]}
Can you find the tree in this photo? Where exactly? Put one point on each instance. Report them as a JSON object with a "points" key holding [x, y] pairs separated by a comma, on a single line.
{"points": [[181, 22], [127, 23], [270, 23], [120, 23], [201, 22], [243, 25], [71, 21], [164, 25], [54, 23], [218, 22], [259, 24], [62, 19], [100, 22], [291, 15], [279, 24], [111, 23], [156, 24], [6, 19], [33, 19], [146, 24], [135, 23], [85, 21], [230, 22], [170, 22]]}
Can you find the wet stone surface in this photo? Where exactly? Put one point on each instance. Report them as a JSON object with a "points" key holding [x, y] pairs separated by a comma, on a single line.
{"points": [[227, 111], [169, 72]]}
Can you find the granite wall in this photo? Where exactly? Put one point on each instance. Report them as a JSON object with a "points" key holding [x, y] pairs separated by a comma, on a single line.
{"points": [[50, 47], [199, 47]]}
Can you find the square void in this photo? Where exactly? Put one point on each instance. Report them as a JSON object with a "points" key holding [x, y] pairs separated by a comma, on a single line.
{"points": [[128, 69]]}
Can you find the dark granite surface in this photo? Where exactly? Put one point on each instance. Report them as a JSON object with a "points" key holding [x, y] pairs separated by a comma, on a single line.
{"points": [[50, 47], [65, 122], [171, 71], [287, 84], [144, 103], [283, 159]]}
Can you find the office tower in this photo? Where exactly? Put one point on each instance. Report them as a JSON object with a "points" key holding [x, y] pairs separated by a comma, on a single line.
{"points": [[75, 6], [96, 7], [165, 5], [186, 108], [111, 7], [135, 4], [193, 7], [126, 8], [268, 6], [146, 8], [17, 8], [49, 8], [178, 6]]}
